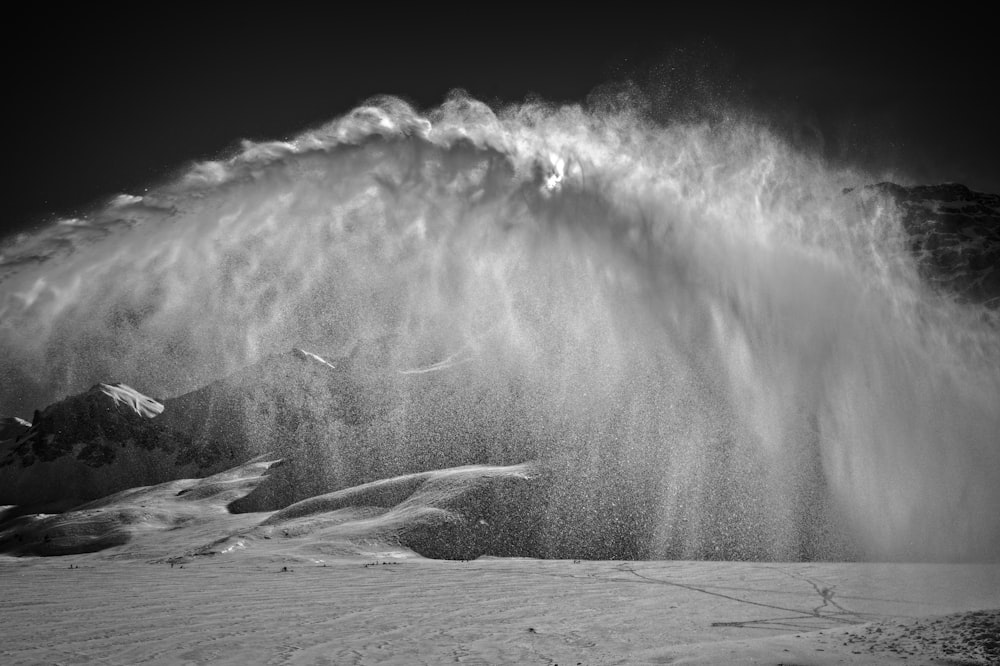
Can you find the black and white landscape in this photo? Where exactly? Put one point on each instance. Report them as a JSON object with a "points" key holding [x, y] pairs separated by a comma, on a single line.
{"points": [[533, 332], [637, 346]]}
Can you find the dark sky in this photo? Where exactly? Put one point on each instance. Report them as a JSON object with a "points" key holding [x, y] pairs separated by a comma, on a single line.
{"points": [[101, 104]]}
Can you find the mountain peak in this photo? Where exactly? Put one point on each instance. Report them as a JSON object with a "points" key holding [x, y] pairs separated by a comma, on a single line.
{"points": [[126, 396]]}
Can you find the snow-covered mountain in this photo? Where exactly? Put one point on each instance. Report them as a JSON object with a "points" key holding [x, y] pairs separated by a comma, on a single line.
{"points": [[89, 445], [112, 437], [336, 425]]}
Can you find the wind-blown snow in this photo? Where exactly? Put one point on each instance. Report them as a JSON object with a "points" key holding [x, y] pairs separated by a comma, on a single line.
{"points": [[717, 351], [132, 399]]}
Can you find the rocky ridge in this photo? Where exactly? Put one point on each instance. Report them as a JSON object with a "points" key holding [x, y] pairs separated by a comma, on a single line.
{"points": [[954, 235], [113, 437]]}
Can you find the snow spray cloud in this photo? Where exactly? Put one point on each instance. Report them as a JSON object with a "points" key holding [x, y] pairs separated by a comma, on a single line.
{"points": [[718, 352]]}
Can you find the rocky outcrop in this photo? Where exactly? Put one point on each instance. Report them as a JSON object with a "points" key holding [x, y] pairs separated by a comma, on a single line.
{"points": [[90, 445], [101, 420], [954, 233], [113, 437], [12, 427]]}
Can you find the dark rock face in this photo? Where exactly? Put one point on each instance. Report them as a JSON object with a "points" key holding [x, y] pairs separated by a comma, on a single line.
{"points": [[88, 445], [11, 428], [112, 437], [954, 235], [100, 420]]}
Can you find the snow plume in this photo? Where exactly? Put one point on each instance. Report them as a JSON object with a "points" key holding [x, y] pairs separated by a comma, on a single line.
{"points": [[718, 352]]}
